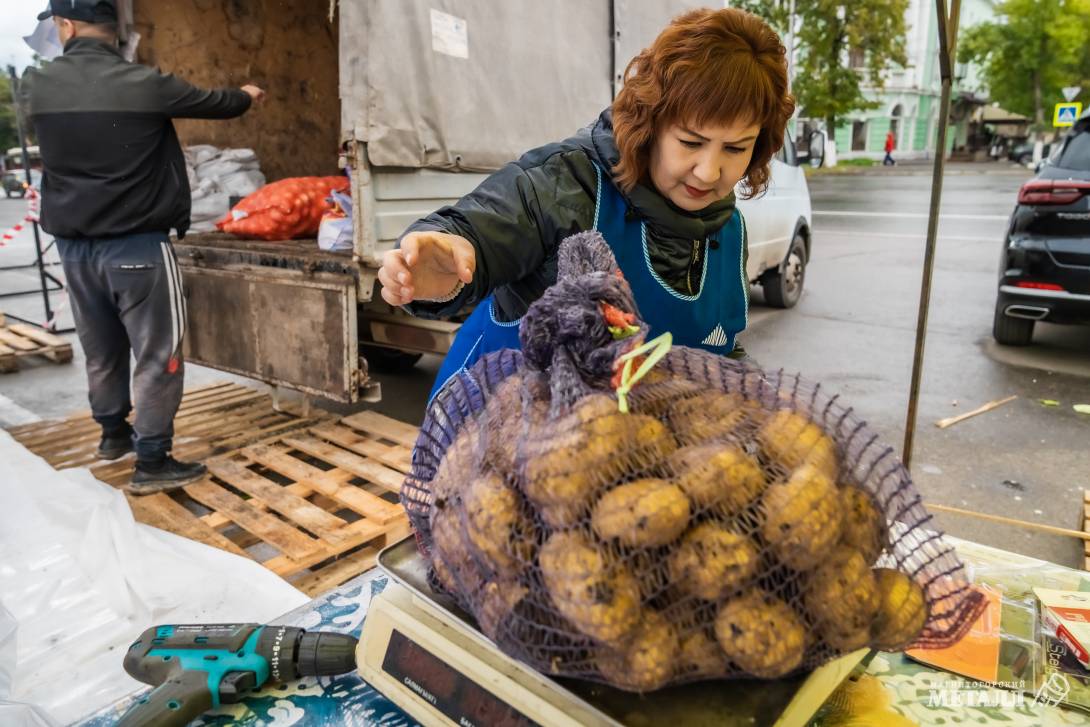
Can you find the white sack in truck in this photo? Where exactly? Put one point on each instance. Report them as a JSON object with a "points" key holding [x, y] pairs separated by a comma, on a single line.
{"points": [[216, 175]]}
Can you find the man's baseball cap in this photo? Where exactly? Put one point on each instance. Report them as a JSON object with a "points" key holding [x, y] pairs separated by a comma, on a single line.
{"points": [[87, 11]]}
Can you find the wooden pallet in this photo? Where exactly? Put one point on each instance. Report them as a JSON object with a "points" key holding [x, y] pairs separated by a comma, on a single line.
{"points": [[19, 340], [1086, 528], [313, 499]]}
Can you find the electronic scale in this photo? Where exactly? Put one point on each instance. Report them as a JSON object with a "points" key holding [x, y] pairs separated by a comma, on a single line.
{"points": [[428, 657]]}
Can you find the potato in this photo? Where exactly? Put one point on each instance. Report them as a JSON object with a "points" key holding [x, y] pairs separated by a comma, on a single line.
{"points": [[842, 598], [902, 611], [716, 476], [646, 660], [864, 526], [586, 451], [802, 518], [496, 526], [599, 597], [792, 440], [761, 634], [712, 561], [641, 514]]}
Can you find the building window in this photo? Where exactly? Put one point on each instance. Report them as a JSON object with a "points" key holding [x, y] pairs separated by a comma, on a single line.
{"points": [[859, 136], [895, 124], [856, 58]]}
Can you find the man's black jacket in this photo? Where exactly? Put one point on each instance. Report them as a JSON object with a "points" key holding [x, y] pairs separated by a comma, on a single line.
{"points": [[112, 162]]}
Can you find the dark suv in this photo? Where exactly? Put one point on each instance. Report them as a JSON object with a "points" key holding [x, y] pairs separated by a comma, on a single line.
{"points": [[1045, 266]]}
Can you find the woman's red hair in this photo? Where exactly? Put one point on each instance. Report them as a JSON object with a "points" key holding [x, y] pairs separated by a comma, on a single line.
{"points": [[707, 67]]}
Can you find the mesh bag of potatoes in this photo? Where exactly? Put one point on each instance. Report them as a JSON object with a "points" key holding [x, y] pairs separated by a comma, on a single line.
{"points": [[643, 515]]}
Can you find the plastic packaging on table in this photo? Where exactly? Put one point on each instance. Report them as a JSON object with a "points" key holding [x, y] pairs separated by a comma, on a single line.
{"points": [[644, 515], [335, 231], [284, 210]]}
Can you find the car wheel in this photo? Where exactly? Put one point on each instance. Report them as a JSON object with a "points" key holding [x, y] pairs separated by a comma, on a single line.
{"points": [[8, 193], [1011, 331], [1025, 159], [783, 286], [388, 360]]}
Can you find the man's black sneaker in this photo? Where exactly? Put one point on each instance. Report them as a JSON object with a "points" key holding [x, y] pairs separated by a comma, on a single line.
{"points": [[115, 445], [169, 474]]}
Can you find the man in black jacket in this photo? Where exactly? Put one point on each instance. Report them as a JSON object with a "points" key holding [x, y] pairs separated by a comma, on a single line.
{"points": [[113, 188]]}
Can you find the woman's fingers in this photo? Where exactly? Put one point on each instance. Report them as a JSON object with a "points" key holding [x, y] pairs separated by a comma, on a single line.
{"points": [[465, 259], [396, 279]]}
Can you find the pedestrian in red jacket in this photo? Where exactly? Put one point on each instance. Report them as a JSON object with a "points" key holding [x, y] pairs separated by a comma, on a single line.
{"points": [[891, 143]]}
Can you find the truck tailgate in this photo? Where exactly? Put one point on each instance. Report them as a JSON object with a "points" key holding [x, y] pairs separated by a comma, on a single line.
{"points": [[280, 312]]}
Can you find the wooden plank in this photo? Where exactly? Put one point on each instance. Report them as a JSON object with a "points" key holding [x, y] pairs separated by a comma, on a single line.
{"points": [[160, 511], [350, 496], [37, 334], [277, 497], [8, 363], [396, 456], [269, 528], [359, 466], [39, 432], [336, 573], [16, 341], [383, 426], [356, 533], [1086, 528]]}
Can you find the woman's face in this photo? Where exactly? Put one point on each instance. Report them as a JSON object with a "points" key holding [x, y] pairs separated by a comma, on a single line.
{"points": [[695, 166]]}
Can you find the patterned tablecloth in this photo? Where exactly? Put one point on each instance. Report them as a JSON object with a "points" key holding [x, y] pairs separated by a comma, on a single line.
{"points": [[344, 700], [889, 690]]}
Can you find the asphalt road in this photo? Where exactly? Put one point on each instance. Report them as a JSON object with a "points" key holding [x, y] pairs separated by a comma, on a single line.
{"points": [[854, 332]]}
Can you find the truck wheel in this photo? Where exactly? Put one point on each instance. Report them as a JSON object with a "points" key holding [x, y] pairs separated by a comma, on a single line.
{"points": [[783, 286], [388, 360], [1011, 331]]}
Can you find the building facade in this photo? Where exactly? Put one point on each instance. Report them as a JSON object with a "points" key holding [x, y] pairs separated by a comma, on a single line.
{"points": [[909, 102]]}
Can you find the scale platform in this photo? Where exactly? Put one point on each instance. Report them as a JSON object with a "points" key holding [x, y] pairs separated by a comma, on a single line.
{"points": [[424, 653]]}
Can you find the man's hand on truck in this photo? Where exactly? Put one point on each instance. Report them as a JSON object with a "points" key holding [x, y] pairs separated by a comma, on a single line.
{"points": [[257, 95], [427, 266]]}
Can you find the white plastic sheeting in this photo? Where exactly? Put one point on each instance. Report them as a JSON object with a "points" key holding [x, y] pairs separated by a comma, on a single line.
{"points": [[80, 580]]}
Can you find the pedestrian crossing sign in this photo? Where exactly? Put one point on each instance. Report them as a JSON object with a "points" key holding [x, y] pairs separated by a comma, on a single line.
{"points": [[1066, 114]]}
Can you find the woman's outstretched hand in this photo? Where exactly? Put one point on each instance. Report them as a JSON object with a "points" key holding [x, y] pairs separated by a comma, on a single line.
{"points": [[427, 266]]}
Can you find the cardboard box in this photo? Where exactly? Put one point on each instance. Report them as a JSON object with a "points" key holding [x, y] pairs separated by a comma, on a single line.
{"points": [[1068, 614]]}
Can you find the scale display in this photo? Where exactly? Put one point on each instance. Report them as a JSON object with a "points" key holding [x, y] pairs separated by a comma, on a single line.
{"points": [[461, 699]]}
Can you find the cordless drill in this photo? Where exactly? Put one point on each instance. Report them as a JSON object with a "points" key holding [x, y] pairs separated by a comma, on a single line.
{"points": [[195, 668]]}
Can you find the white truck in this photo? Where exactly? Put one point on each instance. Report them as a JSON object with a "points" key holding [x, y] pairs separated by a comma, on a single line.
{"points": [[417, 100]]}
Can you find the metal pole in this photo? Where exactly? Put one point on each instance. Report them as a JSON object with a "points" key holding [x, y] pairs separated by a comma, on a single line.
{"points": [[43, 276], [948, 29]]}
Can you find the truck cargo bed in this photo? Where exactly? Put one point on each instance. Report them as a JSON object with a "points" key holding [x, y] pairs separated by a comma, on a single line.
{"points": [[218, 249]]}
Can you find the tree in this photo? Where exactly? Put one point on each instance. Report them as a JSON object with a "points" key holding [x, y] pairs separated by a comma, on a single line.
{"points": [[827, 31], [8, 135], [1032, 50]]}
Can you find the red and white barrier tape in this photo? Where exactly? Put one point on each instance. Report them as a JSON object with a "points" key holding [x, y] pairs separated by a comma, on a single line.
{"points": [[33, 212], [56, 313]]}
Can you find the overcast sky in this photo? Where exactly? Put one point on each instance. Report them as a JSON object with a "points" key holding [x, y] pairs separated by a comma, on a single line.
{"points": [[17, 18]]}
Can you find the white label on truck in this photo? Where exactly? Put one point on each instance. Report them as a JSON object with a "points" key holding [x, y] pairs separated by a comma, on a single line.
{"points": [[449, 34]]}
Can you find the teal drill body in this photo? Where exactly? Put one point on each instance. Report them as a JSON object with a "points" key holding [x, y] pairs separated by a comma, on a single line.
{"points": [[195, 668]]}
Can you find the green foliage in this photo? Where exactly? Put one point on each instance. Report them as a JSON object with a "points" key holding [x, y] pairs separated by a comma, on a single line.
{"points": [[1029, 52], [8, 135], [825, 86]]}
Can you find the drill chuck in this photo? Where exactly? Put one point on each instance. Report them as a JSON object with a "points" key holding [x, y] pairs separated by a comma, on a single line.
{"points": [[326, 654]]}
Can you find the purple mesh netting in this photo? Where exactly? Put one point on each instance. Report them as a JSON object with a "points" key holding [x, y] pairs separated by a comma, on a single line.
{"points": [[734, 523]]}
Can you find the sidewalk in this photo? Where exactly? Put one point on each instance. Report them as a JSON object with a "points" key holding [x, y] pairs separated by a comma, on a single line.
{"points": [[922, 167]]}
